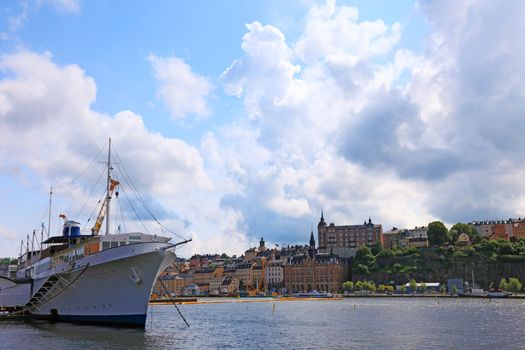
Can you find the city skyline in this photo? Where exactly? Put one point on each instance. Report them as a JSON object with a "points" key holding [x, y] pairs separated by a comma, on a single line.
{"points": [[239, 120]]}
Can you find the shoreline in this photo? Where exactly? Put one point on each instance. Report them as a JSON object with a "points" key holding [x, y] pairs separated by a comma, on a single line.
{"points": [[206, 300]]}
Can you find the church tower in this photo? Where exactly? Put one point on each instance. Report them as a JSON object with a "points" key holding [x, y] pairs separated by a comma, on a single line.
{"points": [[312, 244]]}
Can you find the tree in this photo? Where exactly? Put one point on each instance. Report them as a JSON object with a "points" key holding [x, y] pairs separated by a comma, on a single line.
{"points": [[403, 289], [348, 286], [413, 285], [423, 286], [389, 289], [454, 290], [514, 285], [369, 286], [359, 285], [442, 289], [364, 257], [362, 269], [381, 288], [503, 284], [377, 248], [437, 233]]}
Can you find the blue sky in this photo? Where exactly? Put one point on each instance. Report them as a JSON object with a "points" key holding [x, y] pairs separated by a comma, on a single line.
{"points": [[242, 119]]}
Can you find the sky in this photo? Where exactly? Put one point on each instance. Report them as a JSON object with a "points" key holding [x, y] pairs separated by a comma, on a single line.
{"points": [[234, 120]]}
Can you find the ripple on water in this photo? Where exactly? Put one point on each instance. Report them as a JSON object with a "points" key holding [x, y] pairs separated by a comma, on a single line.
{"points": [[350, 323]]}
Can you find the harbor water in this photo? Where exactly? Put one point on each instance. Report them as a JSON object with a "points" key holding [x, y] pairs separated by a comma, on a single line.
{"points": [[360, 323]]}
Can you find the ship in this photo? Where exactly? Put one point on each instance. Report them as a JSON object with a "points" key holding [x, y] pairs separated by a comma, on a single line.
{"points": [[88, 277]]}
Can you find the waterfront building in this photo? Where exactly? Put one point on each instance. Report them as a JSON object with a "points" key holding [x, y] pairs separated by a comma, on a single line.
{"points": [[391, 238], [414, 238], [230, 286], [344, 240], [463, 239], [274, 275], [455, 282], [429, 287], [174, 285], [257, 277], [215, 285], [313, 271], [229, 272], [518, 228], [500, 229], [243, 272], [203, 276]]}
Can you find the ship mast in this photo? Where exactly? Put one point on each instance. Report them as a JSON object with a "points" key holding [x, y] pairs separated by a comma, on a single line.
{"points": [[49, 214], [108, 194]]}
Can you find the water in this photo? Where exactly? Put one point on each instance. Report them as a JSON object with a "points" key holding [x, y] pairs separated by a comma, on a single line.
{"points": [[407, 323]]}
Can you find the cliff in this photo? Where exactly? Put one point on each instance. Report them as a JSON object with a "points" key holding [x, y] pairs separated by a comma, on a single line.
{"points": [[488, 261]]}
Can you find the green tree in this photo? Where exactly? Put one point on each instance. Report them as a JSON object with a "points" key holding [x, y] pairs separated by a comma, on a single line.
{"points": [[423, 286], [359, 285], [348, 286], [389, 289], [437, 233], [413, 285], [442, 289], [364, 257], [403, 289], [503, 284], [362, 269], [377, 248], [381, 288], [454, 290], [514, 285]]}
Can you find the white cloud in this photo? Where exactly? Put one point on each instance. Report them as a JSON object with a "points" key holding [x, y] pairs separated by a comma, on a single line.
{"points": [[49, 128], [333, 31], [340, 119], [364, 134], [182, 91]]}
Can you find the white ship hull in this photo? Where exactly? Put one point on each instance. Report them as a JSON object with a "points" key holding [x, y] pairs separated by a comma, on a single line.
{"points": [[109, 287]]}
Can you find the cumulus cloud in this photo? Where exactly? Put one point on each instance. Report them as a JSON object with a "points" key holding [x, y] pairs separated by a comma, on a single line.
{"points": [[341, 119], [368, 128], [182, 91], [48, 126], [333, 32]]}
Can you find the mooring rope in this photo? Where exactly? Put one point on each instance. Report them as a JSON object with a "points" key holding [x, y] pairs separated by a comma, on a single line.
{"points": [[174, 304]]}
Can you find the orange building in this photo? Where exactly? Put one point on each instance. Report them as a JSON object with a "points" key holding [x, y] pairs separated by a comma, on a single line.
{"points": [[501, 230]]}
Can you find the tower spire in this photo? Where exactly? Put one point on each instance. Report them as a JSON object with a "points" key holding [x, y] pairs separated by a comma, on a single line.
{"points": [[312, 240]]}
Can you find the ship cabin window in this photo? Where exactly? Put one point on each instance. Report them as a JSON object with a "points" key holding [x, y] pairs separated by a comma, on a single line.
{"points": [[65, 232], [105, 245], [75, 231], [113, 244]]}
